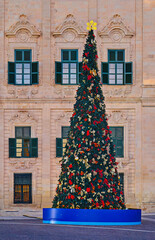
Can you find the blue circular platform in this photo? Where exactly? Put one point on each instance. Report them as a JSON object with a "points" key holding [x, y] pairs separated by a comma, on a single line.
{"points": [[91, 216]]}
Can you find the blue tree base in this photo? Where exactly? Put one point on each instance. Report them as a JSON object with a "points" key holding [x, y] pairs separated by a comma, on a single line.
{"points": [[91, 216]]}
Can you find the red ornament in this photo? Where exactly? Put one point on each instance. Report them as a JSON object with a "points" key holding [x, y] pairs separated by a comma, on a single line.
{"points": [[85, 67], [89, 77], [95, 107], [85, 119], [86, 54], [79, 188], [96, 56], [70, 166], [88, 189], [79, 145], [70, 182], [90, 45], [103, 204], [72, 197], [97, 204], [88, 133], [74, 114]]}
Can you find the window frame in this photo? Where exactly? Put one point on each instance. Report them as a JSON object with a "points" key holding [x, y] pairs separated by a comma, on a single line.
{"points": [[22, 62], [61, 140], [64, 137], [69, 62], [30, 189], [23, 138], [123, 139], [116, 62]]}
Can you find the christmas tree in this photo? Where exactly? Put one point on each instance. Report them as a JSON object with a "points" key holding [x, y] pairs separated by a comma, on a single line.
{"points": [[89, 177]]}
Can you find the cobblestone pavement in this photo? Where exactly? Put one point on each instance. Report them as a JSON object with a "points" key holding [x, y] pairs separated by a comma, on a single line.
{"points": [[34, 229]]}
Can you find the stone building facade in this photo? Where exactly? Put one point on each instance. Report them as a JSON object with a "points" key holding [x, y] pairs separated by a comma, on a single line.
{"points": [[45, 28]]}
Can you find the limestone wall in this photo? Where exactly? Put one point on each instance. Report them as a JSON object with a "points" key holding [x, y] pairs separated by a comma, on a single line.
{"points": [[46, 27]]}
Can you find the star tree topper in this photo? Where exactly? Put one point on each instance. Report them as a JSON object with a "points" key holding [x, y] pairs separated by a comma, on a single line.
{"points": [[91, 25]]}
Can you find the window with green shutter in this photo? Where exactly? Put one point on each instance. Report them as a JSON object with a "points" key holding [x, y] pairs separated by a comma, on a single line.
{"points": [[23, 146], [118, 140], [67, 72], [23, 71], [61, 142], [116, 71]]}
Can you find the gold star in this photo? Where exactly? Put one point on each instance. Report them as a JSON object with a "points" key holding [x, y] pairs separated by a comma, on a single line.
{"points": [[91, 25]]}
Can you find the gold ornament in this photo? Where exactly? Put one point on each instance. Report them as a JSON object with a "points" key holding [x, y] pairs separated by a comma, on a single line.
{"points": [[91, 25], [93, 72], [76, 158]]}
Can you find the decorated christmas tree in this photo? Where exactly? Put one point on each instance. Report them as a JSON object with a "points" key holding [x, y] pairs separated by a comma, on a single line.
{"points": [[89, 178]]}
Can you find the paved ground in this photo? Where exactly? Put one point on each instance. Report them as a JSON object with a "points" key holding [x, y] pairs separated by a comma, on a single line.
{"points": [[34, 229]]}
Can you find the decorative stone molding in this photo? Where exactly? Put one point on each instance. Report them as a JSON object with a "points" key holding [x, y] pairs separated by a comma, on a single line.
{"points": [[23, 30], [116, 29], [22, 163], [64, 116], [69, 29], [23, 116], [64, 92], [22, 93], [118, 117], [123, 164], [120, 92]]}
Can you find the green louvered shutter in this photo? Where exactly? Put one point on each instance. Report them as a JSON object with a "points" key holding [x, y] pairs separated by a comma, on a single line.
{"points": [[120, 142], [35, 72], [122, 183], [59, 147], [105, 73], [80, 71], [128, 73], [11, 73], [34, 147], [12, 147], [58, 72]]}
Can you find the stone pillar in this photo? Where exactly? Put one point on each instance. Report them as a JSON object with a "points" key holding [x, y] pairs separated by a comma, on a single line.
{"points": [[1, 107], [138, 82], [46, 42], [46, 199], [1, 159], [46, 49], [92, 11]]}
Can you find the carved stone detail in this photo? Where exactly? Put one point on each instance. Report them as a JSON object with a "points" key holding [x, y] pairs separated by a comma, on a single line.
{"points": [[123, 164], [23, 29], [65, 92], [64, 115], [116, 29], [117, 117], [70, 29], [11, 91], [23, 164], [69, 35], [34, 92], [23, 116], [22, 93], [117, 92]]}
